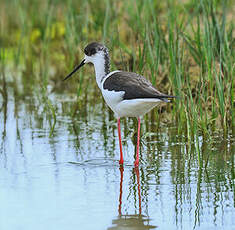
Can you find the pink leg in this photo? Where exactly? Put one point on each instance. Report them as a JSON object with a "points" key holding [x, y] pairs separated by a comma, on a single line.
{"points": [[120, 142], [138, 145]]}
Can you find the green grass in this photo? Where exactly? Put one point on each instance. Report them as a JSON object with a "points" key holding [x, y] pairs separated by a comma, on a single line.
{"points": [[186, 48]]}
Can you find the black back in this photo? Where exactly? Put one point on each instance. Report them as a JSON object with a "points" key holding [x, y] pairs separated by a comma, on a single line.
{"points": [[134, 85]]}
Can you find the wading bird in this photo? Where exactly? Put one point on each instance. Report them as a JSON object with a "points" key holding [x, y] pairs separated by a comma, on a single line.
{"points": [[127, 94]]}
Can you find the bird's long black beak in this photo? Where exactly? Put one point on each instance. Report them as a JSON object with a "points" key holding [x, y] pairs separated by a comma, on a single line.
{"points": [[76, 69]]}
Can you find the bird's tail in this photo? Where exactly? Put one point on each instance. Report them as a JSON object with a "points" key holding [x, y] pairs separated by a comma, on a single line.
{"points": [[168, 98]]}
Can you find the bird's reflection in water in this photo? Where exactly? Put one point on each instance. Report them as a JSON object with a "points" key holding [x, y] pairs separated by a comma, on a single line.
{"points": [[131, 221]]}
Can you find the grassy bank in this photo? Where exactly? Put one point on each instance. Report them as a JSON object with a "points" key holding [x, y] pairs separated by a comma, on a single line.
{"points": [[186, 48]]}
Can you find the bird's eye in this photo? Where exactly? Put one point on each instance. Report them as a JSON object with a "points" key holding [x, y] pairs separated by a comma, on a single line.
{"points": [[92, 51]]}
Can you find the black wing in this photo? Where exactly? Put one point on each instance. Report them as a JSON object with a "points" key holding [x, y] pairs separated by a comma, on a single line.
{"points": [[134, 86]]}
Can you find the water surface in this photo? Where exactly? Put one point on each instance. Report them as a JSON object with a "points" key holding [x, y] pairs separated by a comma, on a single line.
{"points": [[71, 179]]}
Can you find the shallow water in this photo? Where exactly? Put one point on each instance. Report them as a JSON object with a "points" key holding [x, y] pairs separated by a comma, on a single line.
{"points": [[72, 180]]}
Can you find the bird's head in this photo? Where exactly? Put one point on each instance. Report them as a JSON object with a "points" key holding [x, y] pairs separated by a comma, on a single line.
{"points": [[94, 53]]}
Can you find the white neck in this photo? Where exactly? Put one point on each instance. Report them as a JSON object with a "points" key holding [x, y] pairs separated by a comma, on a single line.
{"points": [[99, 64]]}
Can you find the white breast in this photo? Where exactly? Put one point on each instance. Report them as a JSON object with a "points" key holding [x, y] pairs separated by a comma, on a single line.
{"points": [[113, 99]]}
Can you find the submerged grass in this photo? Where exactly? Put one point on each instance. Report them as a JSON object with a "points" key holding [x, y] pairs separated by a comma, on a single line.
{"points": [[186, 48]]}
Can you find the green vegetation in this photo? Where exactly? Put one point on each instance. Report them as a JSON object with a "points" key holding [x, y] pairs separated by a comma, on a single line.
{"points": [[186, 48]]}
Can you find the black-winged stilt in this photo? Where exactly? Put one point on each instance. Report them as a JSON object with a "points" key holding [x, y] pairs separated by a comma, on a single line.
{"points": [[127, 94]]}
